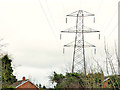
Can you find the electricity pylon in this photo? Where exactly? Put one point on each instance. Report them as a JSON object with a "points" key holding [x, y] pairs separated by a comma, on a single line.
{"points": [[79, 43]]}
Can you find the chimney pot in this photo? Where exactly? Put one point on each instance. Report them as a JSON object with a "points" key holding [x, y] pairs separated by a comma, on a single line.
{"points": [[23, 79]]}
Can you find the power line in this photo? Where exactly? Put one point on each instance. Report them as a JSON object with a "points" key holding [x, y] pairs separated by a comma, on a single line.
{"points": [[113, 16], [110, 21], [99, 7], [63, 7], [50, 14], [112, 30], [47, 19]]}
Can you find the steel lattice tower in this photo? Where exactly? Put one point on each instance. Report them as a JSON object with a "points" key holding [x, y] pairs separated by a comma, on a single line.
{"points": [[79, 43]]}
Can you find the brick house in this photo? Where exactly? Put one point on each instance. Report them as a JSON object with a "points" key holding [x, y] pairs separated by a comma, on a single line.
{"points": [[105, 82], [24, 84]]}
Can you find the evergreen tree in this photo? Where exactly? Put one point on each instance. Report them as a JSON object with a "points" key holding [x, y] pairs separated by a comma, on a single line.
{"points": [[7, 71]]}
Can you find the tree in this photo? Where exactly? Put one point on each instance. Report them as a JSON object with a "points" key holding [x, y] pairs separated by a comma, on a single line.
{"points": [[44, 87], [78, 80], [39, 86], [7, 72]]}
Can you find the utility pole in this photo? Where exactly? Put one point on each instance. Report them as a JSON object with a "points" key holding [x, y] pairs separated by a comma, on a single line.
{"points": [[79, 43]]}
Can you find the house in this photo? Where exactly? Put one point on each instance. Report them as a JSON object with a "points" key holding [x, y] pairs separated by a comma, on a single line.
{"points": [[105, 82], [110, 80], [24, 84]]}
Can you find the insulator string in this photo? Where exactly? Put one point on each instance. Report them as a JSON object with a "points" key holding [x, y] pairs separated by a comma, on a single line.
{"points": [[63, 50], [66, 19], [60, 36], [94, 19], [95, 51], [99, 35]]}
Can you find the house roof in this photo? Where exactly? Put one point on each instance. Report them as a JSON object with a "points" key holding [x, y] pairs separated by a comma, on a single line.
{"points": [[107, 77], [21, 82], [18, 83]]}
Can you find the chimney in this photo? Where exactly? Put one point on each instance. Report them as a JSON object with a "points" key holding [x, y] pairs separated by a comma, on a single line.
{"points": [[23, 79]]}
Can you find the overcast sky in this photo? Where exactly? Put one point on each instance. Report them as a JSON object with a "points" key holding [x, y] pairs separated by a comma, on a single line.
{"points": [[32, 29]]}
